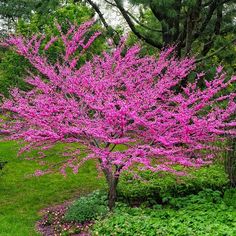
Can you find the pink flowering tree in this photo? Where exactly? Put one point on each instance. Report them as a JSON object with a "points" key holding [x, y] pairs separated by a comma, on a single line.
{"points": [[118, 100]]}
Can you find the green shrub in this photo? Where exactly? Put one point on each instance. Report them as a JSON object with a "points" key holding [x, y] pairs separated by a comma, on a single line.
{"points": [[87, 208], [204, 214], [13, 68], [159, 187]]}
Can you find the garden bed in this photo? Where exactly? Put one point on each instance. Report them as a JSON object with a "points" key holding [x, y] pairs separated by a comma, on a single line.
{"points": [[53, 223]]}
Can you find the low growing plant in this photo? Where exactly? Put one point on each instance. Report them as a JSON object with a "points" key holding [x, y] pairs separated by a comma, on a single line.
{"points": [[204, 214], [230, 197], [88, 208]]}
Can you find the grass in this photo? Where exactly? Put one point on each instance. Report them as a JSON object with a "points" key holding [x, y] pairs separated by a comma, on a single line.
{"points": [[22, 197]]}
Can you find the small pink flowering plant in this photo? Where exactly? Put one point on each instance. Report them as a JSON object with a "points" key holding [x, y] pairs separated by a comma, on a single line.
{"points": [[118, 99]]}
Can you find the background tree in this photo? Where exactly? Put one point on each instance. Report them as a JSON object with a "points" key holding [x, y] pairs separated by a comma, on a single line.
{"points": [[189, 24], [121, 107], [13, 67], [13, 10]]}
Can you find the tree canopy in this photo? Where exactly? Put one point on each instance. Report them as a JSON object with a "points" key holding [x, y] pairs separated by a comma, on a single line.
{"points": [[117, 98]]}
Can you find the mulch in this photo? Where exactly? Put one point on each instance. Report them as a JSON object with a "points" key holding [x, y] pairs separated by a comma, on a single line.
{"points": [[53, 223]]}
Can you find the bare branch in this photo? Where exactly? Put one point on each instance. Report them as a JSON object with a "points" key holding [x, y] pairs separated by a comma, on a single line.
{"points": [[96, 8], [110, 3], [134, 18]]}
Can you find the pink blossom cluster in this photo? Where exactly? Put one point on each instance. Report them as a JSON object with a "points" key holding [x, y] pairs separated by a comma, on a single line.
{"points": [[124, 108]]}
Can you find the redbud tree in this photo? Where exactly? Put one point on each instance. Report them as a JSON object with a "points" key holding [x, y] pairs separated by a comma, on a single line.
{"points": [[118, 99]]}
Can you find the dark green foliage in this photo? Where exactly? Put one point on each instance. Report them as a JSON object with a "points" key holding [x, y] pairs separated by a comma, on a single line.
{"points": [[15, 9], [159, 187], [230, 197], [198, 28], [208, 196], [195, 215], [88, 208], [230, 161], [13, 68]]}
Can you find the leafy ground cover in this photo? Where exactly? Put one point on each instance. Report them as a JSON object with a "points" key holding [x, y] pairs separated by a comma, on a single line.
{"points": [[210, 212], [195, 215], [198, 204], [22, 196]]}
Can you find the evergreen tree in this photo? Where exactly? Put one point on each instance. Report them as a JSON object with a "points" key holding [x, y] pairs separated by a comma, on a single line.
{"points": [[186, 23]]}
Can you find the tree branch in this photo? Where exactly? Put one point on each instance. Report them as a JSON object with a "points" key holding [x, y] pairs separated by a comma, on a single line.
{"points": [[216, 52], [212, 7], [134, 18], [96, 8], [106, 25], [218, 22], [110, 3], [221, 2], [133, 28]]}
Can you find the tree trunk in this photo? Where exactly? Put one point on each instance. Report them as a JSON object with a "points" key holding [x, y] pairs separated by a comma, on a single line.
{"points": [[112, 192], [112, 181]]}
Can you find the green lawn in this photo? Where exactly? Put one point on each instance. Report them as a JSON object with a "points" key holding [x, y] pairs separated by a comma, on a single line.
{"points": [[22, 197]]}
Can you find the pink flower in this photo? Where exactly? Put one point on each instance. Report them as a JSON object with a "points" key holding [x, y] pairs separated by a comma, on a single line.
{"points": [[123, 110]]}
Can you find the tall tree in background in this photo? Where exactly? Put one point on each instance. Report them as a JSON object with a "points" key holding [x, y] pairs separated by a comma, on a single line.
{"points": [[184, 23], [13, 67]]}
